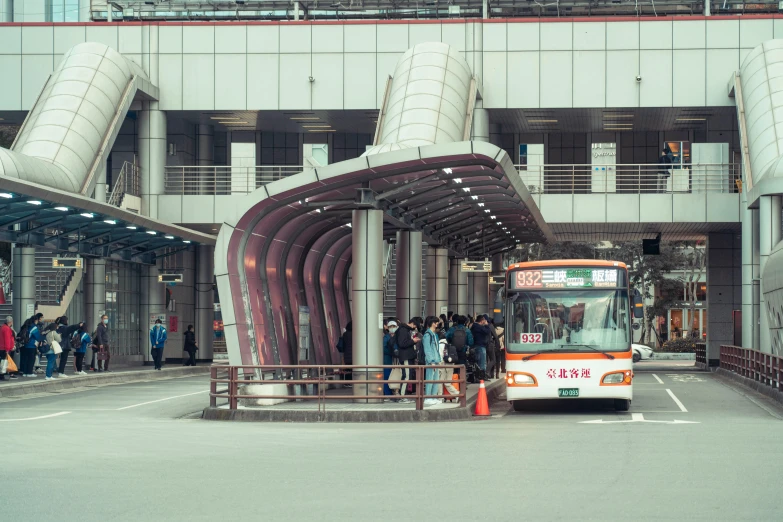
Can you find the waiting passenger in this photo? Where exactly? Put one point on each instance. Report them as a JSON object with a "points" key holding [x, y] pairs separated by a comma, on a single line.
{"points": [[406, 339], [158, 337], [347, 340], [388, 355], [191, 346], [84, 341], [32, 339], [460, 337], [7, 344], [481, 335], [53, 340], [432, 357]]}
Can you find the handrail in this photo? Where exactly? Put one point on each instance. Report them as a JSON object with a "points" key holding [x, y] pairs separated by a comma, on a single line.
{"points": [[631, 178], [761, 367], [320, 379], [128, 182], [222, 179], [387, 270]]}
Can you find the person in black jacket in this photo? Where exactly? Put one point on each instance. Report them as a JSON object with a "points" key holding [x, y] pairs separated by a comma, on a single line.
{"points": [[406, 338], [66, 332], [481, 335], [191, 346], [664, 166], [101, 344]]}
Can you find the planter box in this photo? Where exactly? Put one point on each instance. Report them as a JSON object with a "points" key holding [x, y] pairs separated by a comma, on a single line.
{"points": [[668, 356]]}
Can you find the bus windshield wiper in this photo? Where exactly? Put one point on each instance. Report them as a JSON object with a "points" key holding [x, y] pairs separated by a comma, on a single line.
{"points": [[539, 353], [608, 355]]}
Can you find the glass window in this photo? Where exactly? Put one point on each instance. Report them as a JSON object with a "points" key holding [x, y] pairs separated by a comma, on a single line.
{"points": [[569, 321]]}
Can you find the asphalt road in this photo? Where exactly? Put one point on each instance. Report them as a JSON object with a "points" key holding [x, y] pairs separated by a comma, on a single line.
{"points": [[117, 455]]}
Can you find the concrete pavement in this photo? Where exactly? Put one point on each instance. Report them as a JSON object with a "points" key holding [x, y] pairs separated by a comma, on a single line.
{"points": [[132, 452]]}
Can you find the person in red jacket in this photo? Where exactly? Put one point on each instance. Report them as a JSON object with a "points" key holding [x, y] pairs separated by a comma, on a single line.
{"points": [[7, 344]]}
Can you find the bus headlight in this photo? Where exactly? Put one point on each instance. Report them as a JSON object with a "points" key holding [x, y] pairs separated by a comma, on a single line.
{"points": [[624, 377], [613, 378], [522, 379]]}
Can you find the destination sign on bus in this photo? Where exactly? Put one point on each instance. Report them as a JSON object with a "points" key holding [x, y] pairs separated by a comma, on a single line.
{"points": [[566, 278]]}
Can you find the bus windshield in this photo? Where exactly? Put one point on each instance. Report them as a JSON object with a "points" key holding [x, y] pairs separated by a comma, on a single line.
{"points": [[568, 320]]}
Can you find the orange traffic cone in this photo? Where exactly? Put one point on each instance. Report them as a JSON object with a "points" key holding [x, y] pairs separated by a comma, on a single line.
{"points": [[482, 406]]}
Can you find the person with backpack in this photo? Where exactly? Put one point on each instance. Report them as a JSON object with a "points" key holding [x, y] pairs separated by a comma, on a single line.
{"points": [[30, 339], [158, 337], [66, 332], [405, 339], [53, 348], [80, 340], [7, 344], [431, 350], [481, 336], [460, 338]]}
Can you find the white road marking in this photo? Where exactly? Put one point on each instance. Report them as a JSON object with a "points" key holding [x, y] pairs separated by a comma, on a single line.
{"points": [[160, 400], [637, 417], [657, 379], [685, 377], [676, 400], [37, 418]]}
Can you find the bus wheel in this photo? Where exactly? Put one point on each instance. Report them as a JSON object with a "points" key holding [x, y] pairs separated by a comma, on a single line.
{"points": [[518, 405], [622, 404]]}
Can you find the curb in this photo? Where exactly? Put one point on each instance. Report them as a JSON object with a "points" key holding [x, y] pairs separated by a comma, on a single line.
{"points": [[25, 388], [494, 390], [756, 386]]}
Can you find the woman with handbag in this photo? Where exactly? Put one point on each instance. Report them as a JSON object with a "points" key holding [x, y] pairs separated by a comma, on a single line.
{"points": [[53, 340]]}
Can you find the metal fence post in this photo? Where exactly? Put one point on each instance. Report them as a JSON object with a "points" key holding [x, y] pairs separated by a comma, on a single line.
{"points": [[233, 375], [212, 386]]}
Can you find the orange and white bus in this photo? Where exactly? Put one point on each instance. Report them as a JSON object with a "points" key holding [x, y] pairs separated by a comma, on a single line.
{"points": [[568, 331]]}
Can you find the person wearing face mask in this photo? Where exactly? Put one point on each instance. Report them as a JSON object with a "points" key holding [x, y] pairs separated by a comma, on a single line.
{"points": [[432, 357], [101, 346], [388, 354]]}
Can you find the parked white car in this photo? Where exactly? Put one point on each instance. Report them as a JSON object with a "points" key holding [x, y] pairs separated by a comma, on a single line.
{"points": [[641, 352]]}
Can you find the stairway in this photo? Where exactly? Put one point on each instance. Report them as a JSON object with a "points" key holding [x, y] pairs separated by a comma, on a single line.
{"points": [[54, 287], [390, 283]]}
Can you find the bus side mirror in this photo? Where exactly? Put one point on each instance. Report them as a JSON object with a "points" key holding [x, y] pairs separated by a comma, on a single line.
{"points": [[638, 307]]}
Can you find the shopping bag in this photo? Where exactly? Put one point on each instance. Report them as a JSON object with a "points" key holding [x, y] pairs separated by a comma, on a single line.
{"points": [[11, 365], [3, 366], [57, 348], [395, 375], [103, 354]]}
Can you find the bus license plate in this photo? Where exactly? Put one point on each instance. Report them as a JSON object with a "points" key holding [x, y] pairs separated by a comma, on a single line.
{"points": [[568, 392]]}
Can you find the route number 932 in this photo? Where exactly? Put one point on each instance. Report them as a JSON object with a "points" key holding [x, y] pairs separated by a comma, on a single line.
{"points": [[531, 338]]}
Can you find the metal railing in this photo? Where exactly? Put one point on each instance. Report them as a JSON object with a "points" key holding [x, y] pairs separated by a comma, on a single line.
{"points": [[223, 180], [757, 366], [631, 178], [312, 383], [128, 182], [701, 354]]}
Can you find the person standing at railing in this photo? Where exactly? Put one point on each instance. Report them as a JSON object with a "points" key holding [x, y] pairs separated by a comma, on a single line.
{"points": [[432, 357], [158, 337], [347, 351], [664, 171]]}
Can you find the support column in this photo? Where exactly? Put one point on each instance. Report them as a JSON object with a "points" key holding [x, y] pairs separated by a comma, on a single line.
{"points": [[205, 139], [480, 129], [499, 271], [724, 284], [367, 296], [95, 292], [408, 275], [102, 190], [296, 11], [153, 301], [458, 288], [24, 288], [152, 156], [750, 278], [7, 15], [470, 298], [205, 301], [437, 280], [480, 294], [769, 236]]}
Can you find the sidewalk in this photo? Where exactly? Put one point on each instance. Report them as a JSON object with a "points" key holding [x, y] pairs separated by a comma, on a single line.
{"points": [[349, 411], [117, 375]]}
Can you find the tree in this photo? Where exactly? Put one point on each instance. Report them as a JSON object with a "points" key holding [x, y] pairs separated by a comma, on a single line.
{"points": [[7, 135], [647, 272], [694, 258], [559, 250]]}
